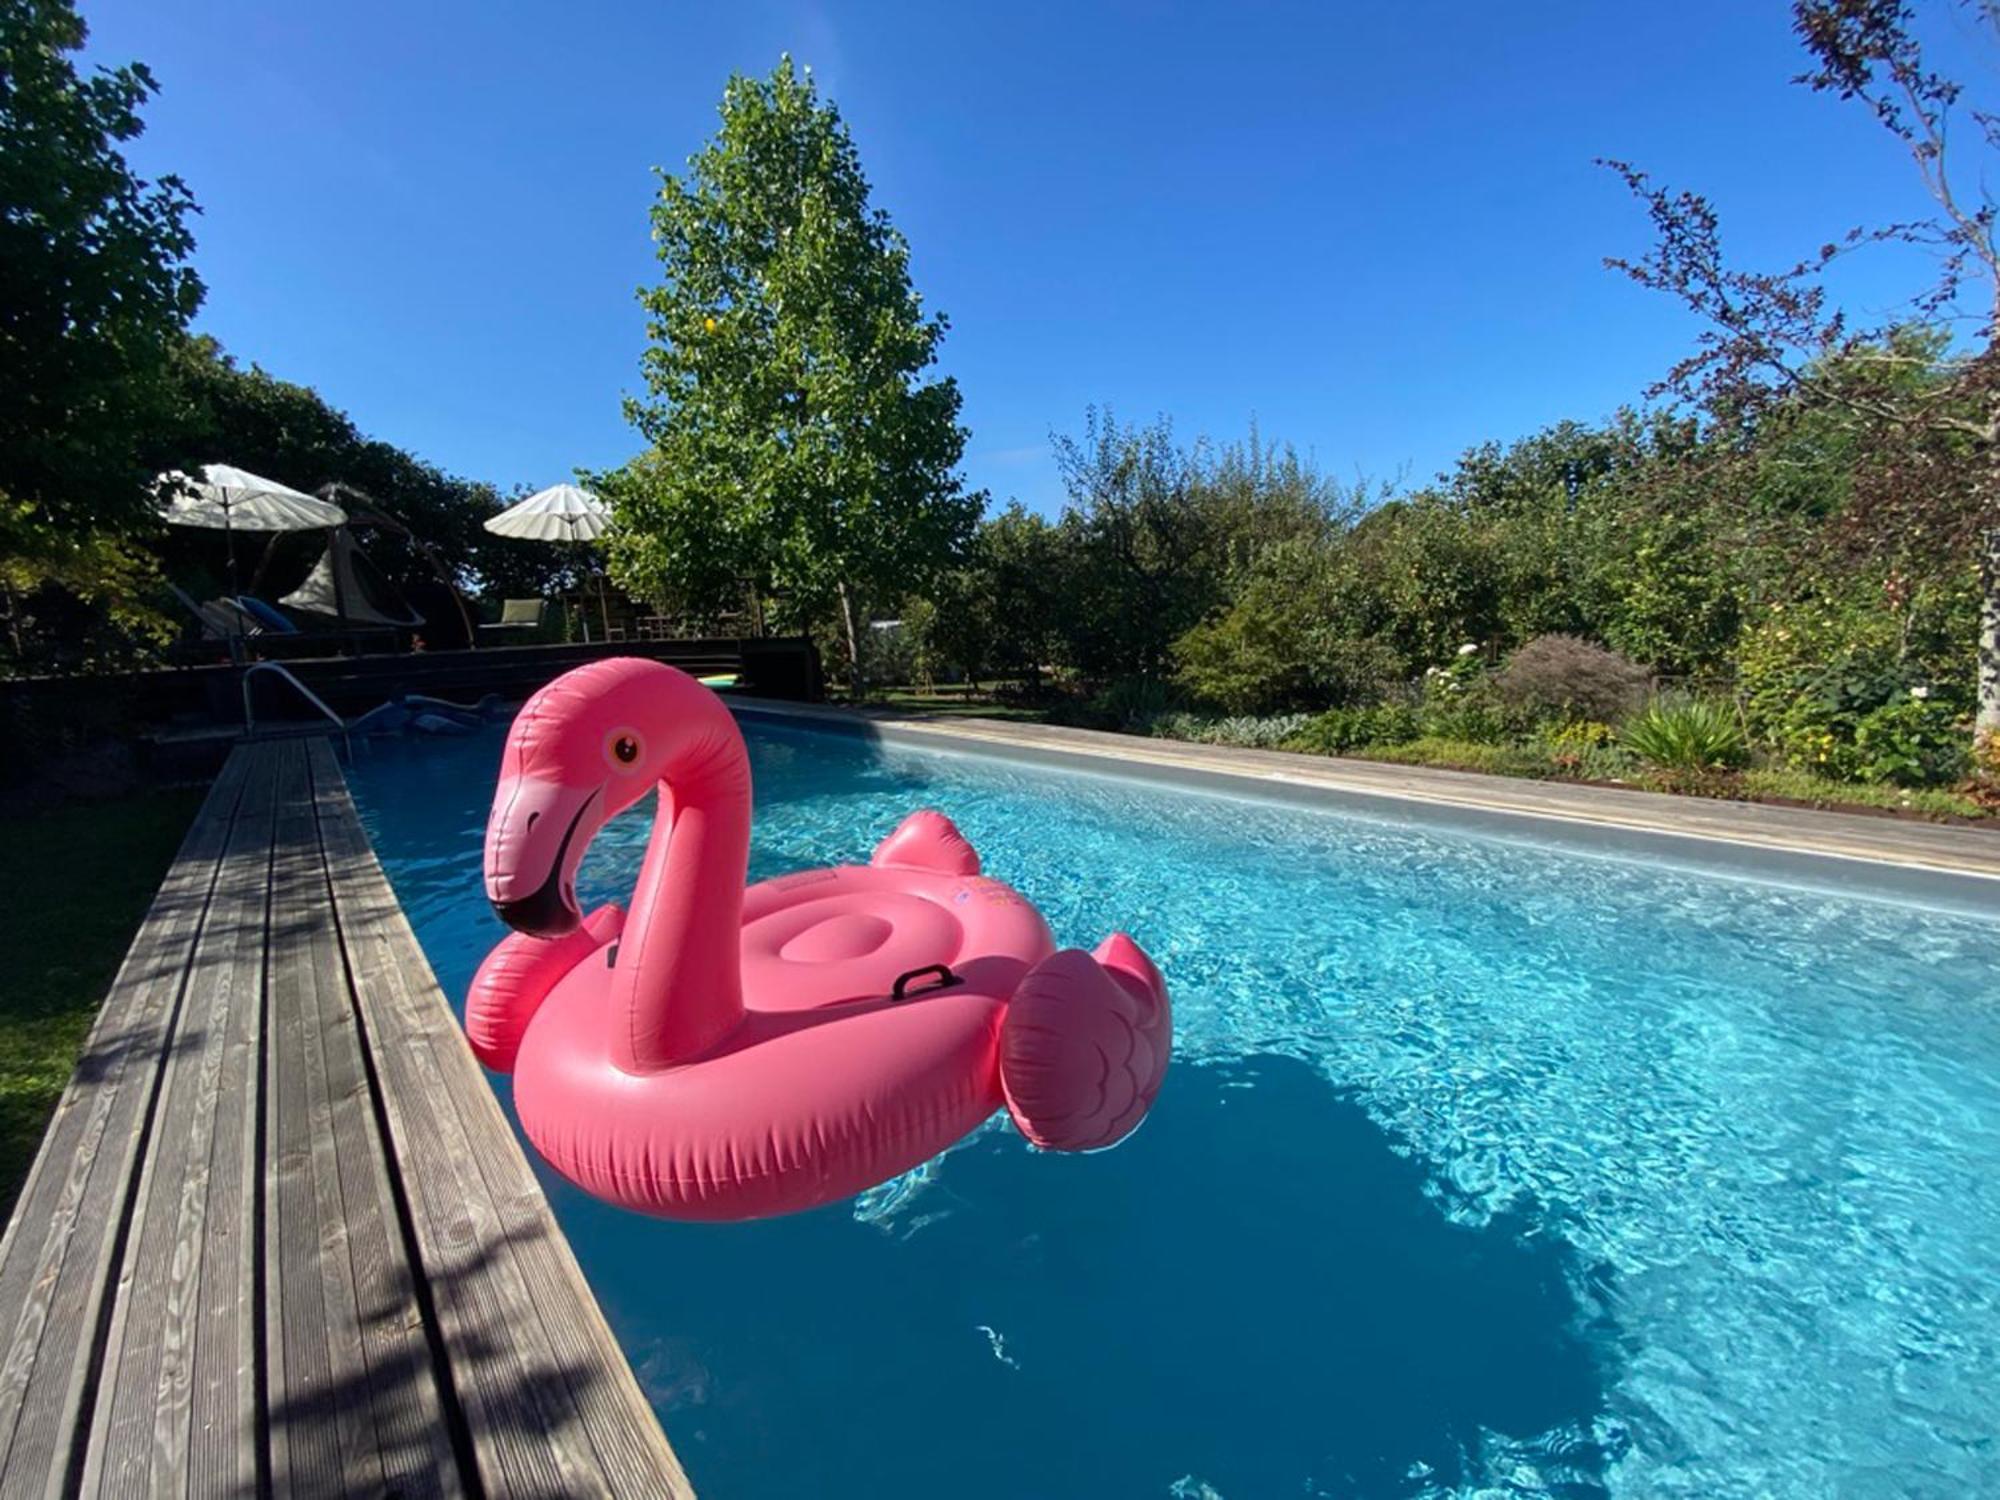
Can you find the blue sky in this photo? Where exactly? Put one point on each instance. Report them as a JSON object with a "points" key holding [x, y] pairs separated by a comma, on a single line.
{"points": [[1376, 228]]}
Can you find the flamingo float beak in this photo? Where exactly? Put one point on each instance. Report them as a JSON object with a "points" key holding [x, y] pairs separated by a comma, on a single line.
{"points": [[535, 839]]}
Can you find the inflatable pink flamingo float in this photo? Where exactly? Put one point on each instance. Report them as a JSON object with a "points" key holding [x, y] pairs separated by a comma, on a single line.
{"points": [[723, 1053]]}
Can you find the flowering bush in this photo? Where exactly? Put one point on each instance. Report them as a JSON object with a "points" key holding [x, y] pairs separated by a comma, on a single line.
{"points": [[1578, 735], [1460, 702]]}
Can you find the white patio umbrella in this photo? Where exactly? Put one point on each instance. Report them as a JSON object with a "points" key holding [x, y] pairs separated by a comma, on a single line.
{"points": [[560, 513], [229, 500]]}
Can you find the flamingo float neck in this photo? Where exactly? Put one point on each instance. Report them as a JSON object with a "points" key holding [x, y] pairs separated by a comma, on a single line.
{"points": [[589, 745], [677, 983]]}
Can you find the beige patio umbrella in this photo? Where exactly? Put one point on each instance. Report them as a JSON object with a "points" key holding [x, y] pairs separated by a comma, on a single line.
{"points": [[229, 500], [560, 513]]}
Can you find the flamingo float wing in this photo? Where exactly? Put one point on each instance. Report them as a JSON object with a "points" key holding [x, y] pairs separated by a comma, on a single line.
{"points": [[517, 976], [1085, 1045]]}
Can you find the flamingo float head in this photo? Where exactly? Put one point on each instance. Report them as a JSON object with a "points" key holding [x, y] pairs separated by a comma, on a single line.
{"points": [[581, 751]]}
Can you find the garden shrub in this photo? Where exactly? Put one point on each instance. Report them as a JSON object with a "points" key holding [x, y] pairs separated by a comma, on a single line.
{"points": [[1986, 755], [1245, 731], [1461, 703], [1283, 644], [1476, 716], [1340, 730], [1178, 724], [1577, 735], [1587, 748], [1266, 733], [1350, 671], [1812, 671], [1240, 662], [1695, 735], [1129, 705], [1566, 677], [1911, 742]]}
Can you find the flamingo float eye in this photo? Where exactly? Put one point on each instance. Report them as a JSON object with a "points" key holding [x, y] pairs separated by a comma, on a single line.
{"points": [[624, 749]]}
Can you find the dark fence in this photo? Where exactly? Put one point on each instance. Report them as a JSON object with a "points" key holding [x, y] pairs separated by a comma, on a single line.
{"points": [[772, 667], [50, 712]]}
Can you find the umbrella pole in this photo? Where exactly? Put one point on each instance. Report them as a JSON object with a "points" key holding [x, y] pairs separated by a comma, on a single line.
{"points": [[339, 593], [236, 646], [583, 593]]}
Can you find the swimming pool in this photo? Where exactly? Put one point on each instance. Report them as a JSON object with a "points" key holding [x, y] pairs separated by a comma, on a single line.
{"points": [[1482, 1166]]}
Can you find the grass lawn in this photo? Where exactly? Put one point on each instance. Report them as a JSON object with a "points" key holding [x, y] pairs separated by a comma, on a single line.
{"points": [[77, 882], [958, 702], [1798, 786]]}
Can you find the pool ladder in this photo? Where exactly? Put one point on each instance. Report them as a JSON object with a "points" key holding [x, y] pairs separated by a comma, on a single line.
{"points": [[249, 714]]}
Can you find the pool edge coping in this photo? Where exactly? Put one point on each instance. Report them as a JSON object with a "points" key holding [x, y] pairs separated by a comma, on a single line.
{"points": [[1887, 843]]}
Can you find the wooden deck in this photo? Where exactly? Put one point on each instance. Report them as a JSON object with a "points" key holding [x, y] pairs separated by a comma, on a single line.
{"points": [[280, 1239]]}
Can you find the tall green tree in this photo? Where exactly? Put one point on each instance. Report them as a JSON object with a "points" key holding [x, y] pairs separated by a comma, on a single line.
{"points": [[95, 290], [796, 439]]}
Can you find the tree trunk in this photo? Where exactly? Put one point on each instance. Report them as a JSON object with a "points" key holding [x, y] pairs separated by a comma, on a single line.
{"points": [[855, 686], [1989, 632], [14, 627]]}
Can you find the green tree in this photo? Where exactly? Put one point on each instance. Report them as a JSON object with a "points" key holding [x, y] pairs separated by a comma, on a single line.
{"points": [[1001, 612], [1925, 414], [1288, 639], [1156, 535], [795, 441], [94, 292]]}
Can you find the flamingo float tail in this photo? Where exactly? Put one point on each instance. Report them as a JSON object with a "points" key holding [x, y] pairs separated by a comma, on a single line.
{"points": [[927, 840], [1084, 1046]]}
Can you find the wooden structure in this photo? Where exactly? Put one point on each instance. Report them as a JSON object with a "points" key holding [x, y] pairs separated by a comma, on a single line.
{"points": [[280, 1239]]}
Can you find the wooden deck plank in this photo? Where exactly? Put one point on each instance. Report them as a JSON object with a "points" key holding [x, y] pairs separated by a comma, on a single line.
{"points": [[321, 1429], [225, 1421], [392, 1425], [192, 1193], [56, 1257], [540, 1375]]}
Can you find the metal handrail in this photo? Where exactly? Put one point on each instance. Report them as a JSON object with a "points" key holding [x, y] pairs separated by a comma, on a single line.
{"points": [[249, 717]]}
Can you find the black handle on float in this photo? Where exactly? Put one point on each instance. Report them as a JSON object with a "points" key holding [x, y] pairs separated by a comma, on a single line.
{"points": [[946, 979]]}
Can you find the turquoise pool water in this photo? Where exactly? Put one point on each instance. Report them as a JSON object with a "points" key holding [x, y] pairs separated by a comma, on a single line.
{"points": [[1483, 1169]]}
